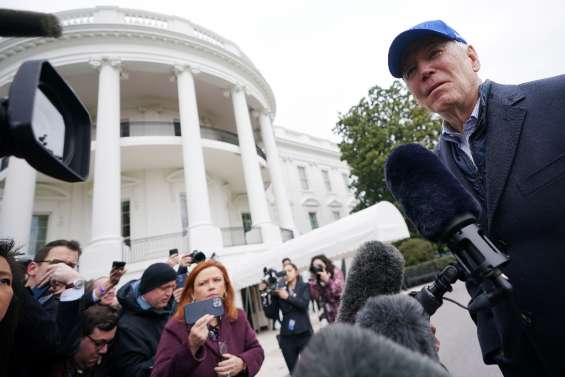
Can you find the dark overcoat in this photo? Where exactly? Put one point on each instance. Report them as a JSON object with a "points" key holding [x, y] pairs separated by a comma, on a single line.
{"points": [[525, 215]]}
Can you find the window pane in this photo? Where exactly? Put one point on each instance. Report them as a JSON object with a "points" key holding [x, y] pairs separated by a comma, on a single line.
{"points": [[177, 127], [345, 180], [313, 220], [124, 128], [336, 215], [303, 178], [38, 234], [126, 228], [327, 182], [246, 220]]}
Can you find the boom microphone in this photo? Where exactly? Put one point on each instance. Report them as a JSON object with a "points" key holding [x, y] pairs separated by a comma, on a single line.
{"points": [[377, 269], [18, 23], [343, 350], [399, 318], [443, 211]]}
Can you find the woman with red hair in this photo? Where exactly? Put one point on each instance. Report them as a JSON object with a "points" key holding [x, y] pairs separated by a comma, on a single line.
{"points": [[223, 346]]}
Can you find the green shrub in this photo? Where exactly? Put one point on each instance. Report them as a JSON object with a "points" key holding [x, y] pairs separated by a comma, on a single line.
{"points": [[425, 272], [417, 250]]}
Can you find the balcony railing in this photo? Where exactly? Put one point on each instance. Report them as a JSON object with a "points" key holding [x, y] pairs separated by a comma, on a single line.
{"points": [[238, 236], [114, 15], [157, 247], [139, 129], [286, 234]]}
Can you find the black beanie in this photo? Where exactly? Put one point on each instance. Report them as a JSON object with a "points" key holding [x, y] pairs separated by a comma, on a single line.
{"points": [[156, 275]]}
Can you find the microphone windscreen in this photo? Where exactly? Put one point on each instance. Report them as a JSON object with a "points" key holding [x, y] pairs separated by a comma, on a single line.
{"points": [[399, 318], [429, 194], [377, 269], [343, 350], [18, 23]]}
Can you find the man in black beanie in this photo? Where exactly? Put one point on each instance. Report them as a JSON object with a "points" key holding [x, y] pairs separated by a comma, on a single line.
{"points": [[146, 306]]}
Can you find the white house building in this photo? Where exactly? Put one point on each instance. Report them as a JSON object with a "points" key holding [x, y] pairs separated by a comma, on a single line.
{"points": [[184, 155]]}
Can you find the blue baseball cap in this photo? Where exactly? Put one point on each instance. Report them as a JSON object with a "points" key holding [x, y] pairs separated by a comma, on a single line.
{"points": [[403, 40]]}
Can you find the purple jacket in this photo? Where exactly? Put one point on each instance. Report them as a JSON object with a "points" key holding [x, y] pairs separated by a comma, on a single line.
{"points": [[329, 294], [174, 359]]}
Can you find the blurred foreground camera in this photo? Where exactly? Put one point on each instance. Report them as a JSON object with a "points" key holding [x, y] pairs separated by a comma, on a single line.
{"points": [[43, 122]]}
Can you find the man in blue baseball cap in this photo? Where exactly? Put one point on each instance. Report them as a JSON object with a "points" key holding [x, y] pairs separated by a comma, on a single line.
{"points": [[506, 145]]}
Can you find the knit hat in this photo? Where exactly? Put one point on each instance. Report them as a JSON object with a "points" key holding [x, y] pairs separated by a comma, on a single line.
{"points": [[156, 275]]}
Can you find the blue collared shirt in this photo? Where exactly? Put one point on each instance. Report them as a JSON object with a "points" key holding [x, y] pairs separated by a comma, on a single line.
{"points": [[469, 127]]}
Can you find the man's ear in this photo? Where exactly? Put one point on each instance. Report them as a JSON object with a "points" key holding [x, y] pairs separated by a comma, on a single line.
{"points": [[474, 57], [31, 269]]}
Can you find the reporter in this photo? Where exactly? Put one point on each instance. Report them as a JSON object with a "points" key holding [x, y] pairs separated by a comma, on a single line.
{"points": [[326, 284], [292, 301], [200, 350]]}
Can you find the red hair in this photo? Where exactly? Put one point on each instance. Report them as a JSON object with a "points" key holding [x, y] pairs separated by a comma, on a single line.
{"points": [[186, 297]]}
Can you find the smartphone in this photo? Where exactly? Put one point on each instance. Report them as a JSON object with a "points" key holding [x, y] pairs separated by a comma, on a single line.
{"points": [[173, 252], [194, 311], [118, 265]]}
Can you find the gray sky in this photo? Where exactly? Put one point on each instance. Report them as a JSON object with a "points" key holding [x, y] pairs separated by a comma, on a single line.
{"points": [[321, 56]]}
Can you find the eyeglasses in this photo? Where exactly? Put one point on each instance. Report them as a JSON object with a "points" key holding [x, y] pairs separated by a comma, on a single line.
{"points": [[72, 265], [100, 343]]}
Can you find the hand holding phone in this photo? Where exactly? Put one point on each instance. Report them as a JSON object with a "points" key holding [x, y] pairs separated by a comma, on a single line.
{"points": [[197, 309], [118, 265]]}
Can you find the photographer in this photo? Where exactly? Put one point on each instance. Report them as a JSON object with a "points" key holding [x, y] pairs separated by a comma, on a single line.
{"points": [[326, 285], [292, 300]]}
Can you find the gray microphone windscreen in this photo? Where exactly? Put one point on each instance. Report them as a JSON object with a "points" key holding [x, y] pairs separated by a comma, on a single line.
{"points": [[400, 318], [343, 350], [377, 269]]}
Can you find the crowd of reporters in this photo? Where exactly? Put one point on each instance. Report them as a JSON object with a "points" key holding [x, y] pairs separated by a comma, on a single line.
{"points": [[56, 324]]}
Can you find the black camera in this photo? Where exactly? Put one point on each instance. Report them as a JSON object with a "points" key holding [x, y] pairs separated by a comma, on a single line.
{"points": [[274, 279], [197, 256], [317, 269], [42, 120]]}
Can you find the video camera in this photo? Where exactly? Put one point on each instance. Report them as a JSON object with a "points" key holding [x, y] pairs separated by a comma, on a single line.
{"points": [[274, 279], [197, 256], [42, 120]]}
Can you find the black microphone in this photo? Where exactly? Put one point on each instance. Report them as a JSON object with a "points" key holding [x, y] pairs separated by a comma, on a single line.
{"points": [[377, 269], [443, 211], [19, 23], [343, 350], [399, 318]]}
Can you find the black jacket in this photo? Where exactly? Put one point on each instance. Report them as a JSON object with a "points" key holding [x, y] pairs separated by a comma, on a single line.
{"points": [[294, 310], [138, 334], [524, 214]]}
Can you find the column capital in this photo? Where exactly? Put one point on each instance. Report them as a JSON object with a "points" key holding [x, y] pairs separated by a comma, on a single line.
{"points": [[179, 68], [235, 88], [267, 113], [98, 62]]}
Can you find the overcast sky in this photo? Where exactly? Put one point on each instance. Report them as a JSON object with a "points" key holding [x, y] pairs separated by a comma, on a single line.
{"points": [[321, 56]]}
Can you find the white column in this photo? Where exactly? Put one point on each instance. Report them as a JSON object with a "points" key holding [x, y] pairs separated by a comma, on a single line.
{"points": [[202, 234], [273, 160], [106, 239], [251, 171], [17, 202]]}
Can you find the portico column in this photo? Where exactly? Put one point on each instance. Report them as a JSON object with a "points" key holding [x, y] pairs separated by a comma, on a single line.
{"points": [[273, 160], [203, 235], [251, 171], [17, 202], [106, 237]]}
